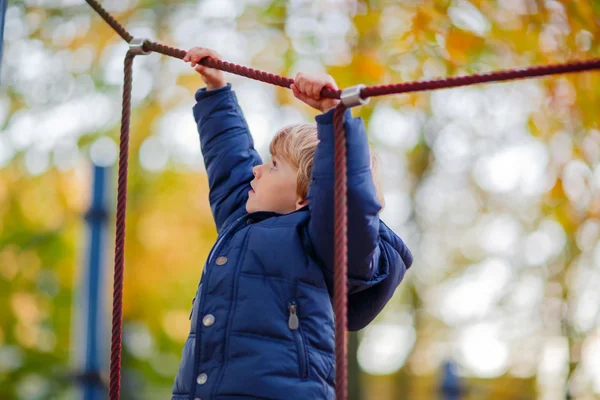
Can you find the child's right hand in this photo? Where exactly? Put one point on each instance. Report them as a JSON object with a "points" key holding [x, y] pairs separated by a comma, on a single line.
{"points": [[213, 78]]}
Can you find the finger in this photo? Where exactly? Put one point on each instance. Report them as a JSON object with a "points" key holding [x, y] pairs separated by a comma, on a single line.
{"points": [[214, 55], [190, 53], [313, 90], [199, 54], [300, 86], [316, 90], [295, 90], [299, 81], [209, 53], [308, 89], [302, 97], [200, 68]]}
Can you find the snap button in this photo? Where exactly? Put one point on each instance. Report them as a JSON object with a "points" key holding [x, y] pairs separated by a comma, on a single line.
{"points": [[202, 378], [249, 221], [221, 260], [208, 320], [197, 398]]}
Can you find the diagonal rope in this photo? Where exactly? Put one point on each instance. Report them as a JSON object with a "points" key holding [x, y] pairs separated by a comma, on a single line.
{"points": [[110, 20], [236, 69], [340, 162]]}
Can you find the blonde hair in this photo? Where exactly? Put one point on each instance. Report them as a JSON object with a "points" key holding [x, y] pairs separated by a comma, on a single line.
{"points": [[297, 145]]}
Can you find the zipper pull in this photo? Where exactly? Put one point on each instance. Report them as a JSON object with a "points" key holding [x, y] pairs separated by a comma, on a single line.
{"points": [[192, 310], [293, 322]]}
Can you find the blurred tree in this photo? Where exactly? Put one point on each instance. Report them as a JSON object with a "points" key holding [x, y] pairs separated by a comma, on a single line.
{"points": [[496, 188]]}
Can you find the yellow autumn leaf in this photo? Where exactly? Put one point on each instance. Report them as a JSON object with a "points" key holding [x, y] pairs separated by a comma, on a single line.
{"points": [[461, 45]]}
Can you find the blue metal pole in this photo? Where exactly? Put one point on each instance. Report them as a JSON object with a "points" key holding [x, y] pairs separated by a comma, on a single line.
{"points": [[451, 387], [92, 328], [3, 4]]}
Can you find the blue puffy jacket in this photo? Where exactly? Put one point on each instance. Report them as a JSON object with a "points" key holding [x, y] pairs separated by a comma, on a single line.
{"points": [[262, 324]]}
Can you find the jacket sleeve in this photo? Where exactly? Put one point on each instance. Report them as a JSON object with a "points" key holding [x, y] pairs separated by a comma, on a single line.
{"points": [[363, 206], [377, 258], [394, 259], [227, 148]]}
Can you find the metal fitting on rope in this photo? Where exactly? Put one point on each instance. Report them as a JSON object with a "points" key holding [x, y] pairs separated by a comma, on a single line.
{"points": [[136, 46], [351, 96]]}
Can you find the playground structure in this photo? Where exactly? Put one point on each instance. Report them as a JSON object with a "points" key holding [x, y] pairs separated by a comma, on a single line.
{"points": [[350, 97]]}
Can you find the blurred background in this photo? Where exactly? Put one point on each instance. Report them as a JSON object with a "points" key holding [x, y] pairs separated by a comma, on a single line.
{"points": [[495, 188]]}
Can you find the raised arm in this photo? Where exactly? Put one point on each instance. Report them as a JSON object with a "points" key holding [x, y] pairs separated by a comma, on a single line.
{"points": [[377, 257], [363, 206], [225, 140]]}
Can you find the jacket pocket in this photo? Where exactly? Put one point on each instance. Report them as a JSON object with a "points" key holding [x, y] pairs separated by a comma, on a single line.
{"points": [[294, 325]]}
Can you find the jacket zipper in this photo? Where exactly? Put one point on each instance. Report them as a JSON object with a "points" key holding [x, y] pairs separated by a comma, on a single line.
{"points": [[294, 325]]}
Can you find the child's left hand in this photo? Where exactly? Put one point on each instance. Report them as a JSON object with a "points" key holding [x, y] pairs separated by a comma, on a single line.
{"points": [[307, 87]]}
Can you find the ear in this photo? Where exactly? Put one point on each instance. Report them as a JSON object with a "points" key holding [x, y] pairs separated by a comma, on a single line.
{"points": [[301, 203]]}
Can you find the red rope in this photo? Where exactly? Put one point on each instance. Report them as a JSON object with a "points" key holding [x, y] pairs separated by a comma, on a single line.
{"points": [[498, 76], [110, 20], [340, 189], [340, 284], [115, 351], [251, 73]]}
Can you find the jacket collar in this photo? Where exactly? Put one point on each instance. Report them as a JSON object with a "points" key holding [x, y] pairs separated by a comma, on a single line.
{"points": [[262, 215]]}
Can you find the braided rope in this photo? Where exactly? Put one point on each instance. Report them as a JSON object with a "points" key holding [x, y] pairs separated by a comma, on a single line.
{"points": [[370, 91], [241, 70], [110, 20], [340, 248], [498, 76], [340, 173], [117, 317]]}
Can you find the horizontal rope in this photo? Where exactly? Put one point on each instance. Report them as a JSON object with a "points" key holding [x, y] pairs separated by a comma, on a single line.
{"points": [[498, 76], [369, 91]]}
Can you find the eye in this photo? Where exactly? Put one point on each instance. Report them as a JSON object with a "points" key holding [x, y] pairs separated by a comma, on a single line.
{"points": [[273, 164]]}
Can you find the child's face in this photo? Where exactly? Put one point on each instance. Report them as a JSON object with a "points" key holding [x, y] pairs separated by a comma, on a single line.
{"points": [[274, 188]]}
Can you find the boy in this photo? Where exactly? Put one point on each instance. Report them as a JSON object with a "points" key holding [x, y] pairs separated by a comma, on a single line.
{"points": [[262, 320]]}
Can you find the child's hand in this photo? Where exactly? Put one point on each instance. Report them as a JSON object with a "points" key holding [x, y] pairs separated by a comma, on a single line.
{"points": [[307, 87], [213, 78]]}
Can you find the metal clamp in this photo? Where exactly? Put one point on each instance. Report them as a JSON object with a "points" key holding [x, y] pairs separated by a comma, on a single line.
{"points": [[351, 96], [136, 46]]}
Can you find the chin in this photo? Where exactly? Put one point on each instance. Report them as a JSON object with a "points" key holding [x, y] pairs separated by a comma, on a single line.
{"points": [[250, 208]]}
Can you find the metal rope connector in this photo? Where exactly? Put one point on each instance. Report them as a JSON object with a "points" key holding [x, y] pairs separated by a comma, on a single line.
{"points": [[136, 46], [351, 96]]}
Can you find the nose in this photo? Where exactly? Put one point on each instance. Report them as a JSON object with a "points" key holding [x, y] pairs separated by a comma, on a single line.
{"points": [[256, 170]]}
